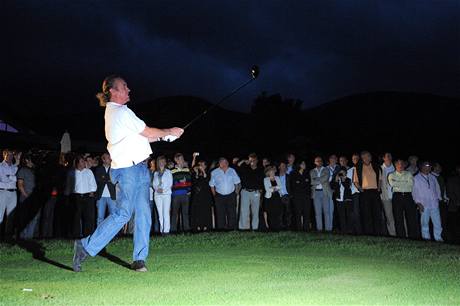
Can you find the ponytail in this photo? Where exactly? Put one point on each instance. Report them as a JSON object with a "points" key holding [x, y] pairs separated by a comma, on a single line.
{"points": [[107, 84]]}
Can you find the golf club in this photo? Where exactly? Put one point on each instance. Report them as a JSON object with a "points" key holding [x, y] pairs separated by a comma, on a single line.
{"points": [[254, 74]]}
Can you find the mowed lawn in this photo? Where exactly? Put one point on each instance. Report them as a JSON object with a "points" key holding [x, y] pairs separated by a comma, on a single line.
{"points": [[238, 269]]}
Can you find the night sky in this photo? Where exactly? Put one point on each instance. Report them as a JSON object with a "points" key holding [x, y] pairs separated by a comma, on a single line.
{"points": [[58, 52]]}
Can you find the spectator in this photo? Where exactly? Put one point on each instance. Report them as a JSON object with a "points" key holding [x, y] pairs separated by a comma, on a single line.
{"points": [[235, 162], [273, 204], [322, 193], [333, 170], [386, 195], [225, 184], [105, 193], [162, 184], [427, 194], [356, 216], [29, 209], [453, 193], [8, 196], [443, 210], [266, 162], [252, 178], [151, 164], [342, 191], [404, 211], [201, 198], [413, 165], [367, 180], [83, 186], [301, 197], [286, 220], [181, 190], [343, 162], [52, 181], [291, 163]]}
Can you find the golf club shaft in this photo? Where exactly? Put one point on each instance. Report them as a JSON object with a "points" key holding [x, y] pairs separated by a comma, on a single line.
{"points": [[218, 103]]}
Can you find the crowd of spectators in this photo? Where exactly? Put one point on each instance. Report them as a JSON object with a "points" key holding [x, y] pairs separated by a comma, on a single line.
{"points": [[52, 195]]}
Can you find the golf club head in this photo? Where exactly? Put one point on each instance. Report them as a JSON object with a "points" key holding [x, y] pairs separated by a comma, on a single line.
{"points": [[255, 71]]}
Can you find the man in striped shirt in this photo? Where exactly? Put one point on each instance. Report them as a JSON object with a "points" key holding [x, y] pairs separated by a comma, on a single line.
{"points": [[181, 188]]}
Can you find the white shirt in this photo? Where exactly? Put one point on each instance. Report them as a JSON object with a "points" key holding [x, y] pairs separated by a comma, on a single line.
{"points": [[105, 192], [224, 182], [165, 183], [318, 174], [386, 187], [84, 181], [350, 174], [8, 175], [125, 143]]}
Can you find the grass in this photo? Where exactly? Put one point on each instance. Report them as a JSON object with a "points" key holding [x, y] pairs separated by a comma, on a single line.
{"points": [[239, 269]]}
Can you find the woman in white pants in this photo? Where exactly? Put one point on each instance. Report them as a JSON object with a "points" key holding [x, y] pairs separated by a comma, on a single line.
{"points": [[162, 182]]}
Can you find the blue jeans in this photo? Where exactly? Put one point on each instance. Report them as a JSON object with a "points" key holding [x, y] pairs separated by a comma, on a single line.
{"points": [[102, 204], [132, 197], [432, 213]]}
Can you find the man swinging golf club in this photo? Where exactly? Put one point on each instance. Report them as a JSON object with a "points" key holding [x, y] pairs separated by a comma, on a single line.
{"points": [[128, 144]]}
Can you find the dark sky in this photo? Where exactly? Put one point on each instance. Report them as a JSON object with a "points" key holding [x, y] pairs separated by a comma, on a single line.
{"points": [[59, 51]]}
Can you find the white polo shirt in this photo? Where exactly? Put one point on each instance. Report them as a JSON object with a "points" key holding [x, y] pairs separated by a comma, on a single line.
{"points": [[125, 143]]}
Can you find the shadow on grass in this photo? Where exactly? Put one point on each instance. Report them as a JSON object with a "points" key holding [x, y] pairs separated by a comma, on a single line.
{"points": [[114, 259], [38, 252]]}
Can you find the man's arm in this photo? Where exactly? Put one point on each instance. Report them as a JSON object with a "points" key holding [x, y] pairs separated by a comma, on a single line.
{"points": [[153, 134], [236, 181], [356, 180], [195, 154], [237, 188], [213, 190], [21, 187]]}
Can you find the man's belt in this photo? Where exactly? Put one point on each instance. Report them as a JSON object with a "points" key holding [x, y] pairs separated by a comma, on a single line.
{"points": [[82, 195], [250, 190], [8, 189], [403, 193]]}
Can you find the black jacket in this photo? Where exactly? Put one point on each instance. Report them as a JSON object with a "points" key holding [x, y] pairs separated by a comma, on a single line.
{"points": [[453, 193], [103, 178], [359, 172], [299, 183]]}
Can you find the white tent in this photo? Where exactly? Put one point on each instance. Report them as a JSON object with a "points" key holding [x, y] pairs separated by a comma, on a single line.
{"points": [[66, 144]]}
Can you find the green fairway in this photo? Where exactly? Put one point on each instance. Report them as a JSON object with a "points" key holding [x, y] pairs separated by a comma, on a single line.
{"points": [[239, 269]]}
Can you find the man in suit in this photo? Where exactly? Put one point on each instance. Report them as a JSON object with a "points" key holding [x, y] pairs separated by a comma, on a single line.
{"points": [[105, 193], [322, 195]]}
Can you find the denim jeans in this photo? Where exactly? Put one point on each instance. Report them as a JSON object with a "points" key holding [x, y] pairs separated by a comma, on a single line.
{"points": [[103, 204], [132, 197], [432, 213]]}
